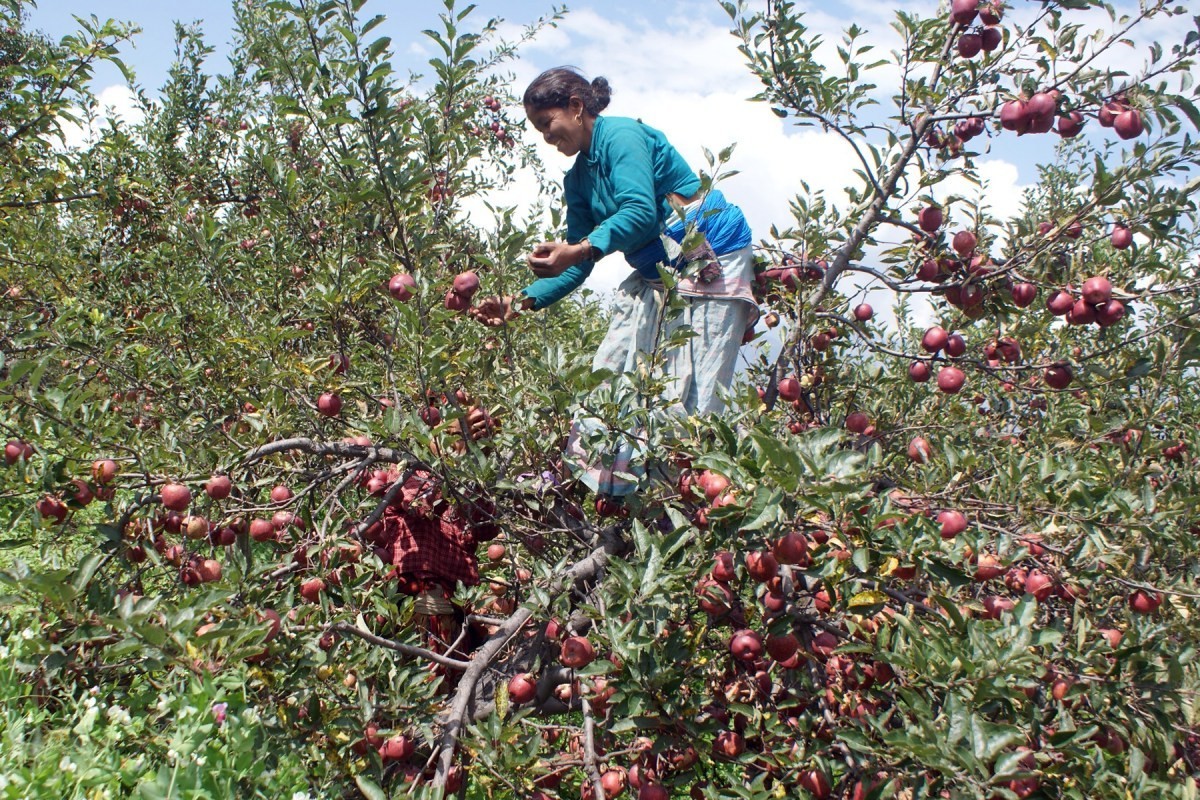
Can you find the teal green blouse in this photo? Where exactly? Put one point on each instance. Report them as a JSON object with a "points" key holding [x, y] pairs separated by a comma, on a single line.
{"points": [[616, 196]]}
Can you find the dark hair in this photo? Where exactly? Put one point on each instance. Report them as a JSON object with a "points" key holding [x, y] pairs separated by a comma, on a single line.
{"points": [[555, 87]]}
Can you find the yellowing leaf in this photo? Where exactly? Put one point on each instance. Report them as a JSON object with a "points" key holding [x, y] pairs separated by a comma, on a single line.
{"points": [[868, 598], [502, 699]]}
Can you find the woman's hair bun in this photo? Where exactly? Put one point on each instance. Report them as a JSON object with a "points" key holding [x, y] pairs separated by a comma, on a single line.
{"points": [[601, 94]]}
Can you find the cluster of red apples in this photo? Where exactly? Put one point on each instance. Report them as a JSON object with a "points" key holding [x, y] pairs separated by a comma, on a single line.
{"points": [[1040, 112], [1095, 302]]}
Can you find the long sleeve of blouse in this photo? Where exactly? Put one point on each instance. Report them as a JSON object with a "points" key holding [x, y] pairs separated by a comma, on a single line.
{"points": [[615, 196]]}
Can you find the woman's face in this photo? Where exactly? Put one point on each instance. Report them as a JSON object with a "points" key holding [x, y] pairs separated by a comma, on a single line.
{"points": [[564, 128]]}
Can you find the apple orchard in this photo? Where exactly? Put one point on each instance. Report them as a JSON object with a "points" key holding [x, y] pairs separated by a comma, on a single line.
{"points": [[947, 551]]}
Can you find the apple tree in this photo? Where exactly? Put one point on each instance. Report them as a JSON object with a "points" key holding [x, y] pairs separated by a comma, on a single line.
{"points": [[946, 558]]}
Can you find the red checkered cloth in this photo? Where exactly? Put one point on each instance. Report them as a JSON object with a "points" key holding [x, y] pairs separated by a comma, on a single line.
{"points": [[430, 539]]}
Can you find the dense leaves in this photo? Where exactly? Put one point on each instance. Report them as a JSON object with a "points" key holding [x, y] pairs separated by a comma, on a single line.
{"points": [[216, 393]]}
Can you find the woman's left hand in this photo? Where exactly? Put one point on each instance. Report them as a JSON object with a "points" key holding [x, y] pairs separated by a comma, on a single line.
{"points": [[550, 259]]}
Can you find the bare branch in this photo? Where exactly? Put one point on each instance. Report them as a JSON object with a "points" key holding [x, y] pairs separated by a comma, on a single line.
{"points": [[399, 647]]}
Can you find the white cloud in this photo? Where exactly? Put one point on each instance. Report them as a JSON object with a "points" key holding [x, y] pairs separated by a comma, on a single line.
{"points": [[115, 102]]}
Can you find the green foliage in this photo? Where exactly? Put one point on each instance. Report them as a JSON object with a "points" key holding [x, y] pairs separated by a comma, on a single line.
{"points": [[180, 292]]}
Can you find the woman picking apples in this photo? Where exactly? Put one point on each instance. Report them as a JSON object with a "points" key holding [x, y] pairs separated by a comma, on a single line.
{"points": [[631, 191]]}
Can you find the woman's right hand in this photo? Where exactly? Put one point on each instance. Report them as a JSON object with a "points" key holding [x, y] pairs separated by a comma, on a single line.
{"points": [[551, 259]]}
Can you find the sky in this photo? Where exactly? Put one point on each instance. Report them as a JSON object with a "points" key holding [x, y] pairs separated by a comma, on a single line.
{"points": [[672, 63]]}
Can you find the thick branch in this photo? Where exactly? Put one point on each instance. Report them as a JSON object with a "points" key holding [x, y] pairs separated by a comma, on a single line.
{"points": [[455, 717]]}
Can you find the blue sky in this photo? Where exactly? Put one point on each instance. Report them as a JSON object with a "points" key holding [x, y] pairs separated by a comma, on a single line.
{"points": [[151, 54]]}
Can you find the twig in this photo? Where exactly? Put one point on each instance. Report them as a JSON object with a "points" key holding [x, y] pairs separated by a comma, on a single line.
{"points": [[399, 647]]}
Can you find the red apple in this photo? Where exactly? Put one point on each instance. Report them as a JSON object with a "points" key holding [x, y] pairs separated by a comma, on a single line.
{"points": [[950, 379], [714, 597], [218, 487], [857, 422], [209, 570], [723, 567], [1097, 290], [969, 45], [1143, 601], [261, 530], [782, 647], [995, 605], [1122, 237], [607, 506], [791, 548], [397, 748], [930, 218], [401, 286], [963, 11], [1023, 294], [1110, 313], [1060, 303], [1107, 115], [930, 271], [1128, 124], [713, 484], [1042, 104], [82, 493], [1058, 375], [728, 744], [1070, 125], [104, 471], [1014, 116], [789, 390], [814, 781], [522, 688], [456, 302], [953, 523], [280, 494], [1081, 313], [919, 450], [576, 652], [15, 450], [990, 39], [612, 781], [991, 13], [746, 645], [466, 284], [194, 526], [955, 345], [329, 404], [964, 242], [863, 312], [1039, 584], [918, 371], [431, 416], [935, 339], [653, 791], [175, 496], [52, 509], [761, 565], [311, 589]]}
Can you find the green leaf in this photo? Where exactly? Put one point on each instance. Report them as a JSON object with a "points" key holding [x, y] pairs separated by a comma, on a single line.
{"points": [[369, 788]]}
